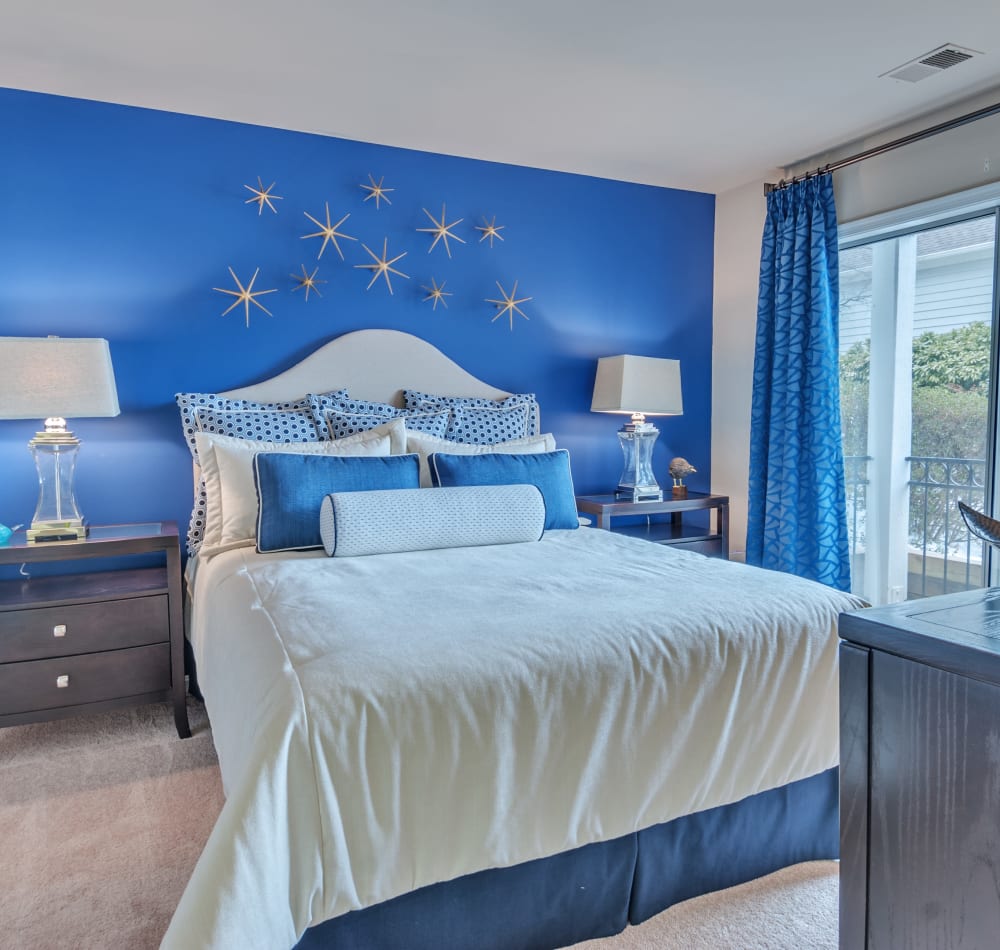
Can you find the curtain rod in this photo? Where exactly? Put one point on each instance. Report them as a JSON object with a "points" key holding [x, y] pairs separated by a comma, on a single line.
{"points": [[961, 120]]}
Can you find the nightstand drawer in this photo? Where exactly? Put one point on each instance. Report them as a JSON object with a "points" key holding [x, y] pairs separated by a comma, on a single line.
{"points": [[42, 632], [91, 678]]}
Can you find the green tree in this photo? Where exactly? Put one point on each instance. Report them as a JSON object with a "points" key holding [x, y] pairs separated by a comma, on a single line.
{"points": [[949, 423], [855, 363], [951, 374], [950, 411], [958, 361]]}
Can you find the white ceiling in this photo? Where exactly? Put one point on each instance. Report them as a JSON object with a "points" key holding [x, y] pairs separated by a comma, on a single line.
{"points": [[657, 91]]}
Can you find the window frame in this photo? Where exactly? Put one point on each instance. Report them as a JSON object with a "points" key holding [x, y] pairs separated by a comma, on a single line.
{"points": [[971, 204]]}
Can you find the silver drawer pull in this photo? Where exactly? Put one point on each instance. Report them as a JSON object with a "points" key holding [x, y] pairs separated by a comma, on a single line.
{"points": [[62, 682], [59, 630]]}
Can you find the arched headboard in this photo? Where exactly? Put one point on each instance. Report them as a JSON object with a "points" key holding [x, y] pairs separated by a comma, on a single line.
{"points": [[375, 365]]}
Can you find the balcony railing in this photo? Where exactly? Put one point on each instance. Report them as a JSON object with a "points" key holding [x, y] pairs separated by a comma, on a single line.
{"points": [[949, 558], [942, 557]]}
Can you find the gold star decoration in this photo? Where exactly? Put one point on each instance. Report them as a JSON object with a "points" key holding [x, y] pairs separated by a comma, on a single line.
{"points": [[437, 294], [383, 265], [246, 295], [441, 231], [490, 230], [328, 232], [262, 196], [508, 305], [308, 281], [376, 191]]}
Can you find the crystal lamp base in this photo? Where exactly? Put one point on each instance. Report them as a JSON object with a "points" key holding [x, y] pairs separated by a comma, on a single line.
{"points": [[637, 482], [57, 516]]}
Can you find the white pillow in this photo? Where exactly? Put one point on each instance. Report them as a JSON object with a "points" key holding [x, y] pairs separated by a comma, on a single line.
{"points": [[227, 466], [390, 521], [424, 445]]}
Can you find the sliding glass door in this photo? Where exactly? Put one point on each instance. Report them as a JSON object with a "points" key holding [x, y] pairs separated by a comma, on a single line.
{"points": [[916, 367]]}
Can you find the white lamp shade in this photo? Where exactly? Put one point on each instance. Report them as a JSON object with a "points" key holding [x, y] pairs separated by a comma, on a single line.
{"points": [[56, 376], [631, 384]]}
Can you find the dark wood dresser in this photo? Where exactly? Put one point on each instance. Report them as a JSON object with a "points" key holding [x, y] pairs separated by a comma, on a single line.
{"points": [[87, 642], [920, 774]]}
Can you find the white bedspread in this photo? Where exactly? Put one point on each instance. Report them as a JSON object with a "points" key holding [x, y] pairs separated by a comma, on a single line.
{"points": [[393, 721]]}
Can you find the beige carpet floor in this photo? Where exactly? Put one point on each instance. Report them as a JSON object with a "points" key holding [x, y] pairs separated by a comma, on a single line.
{"points": [[103, 817]]}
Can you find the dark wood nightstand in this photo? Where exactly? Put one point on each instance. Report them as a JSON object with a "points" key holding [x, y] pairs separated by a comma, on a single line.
{"points": [[664, 522], [76, 643], [920, 773]]}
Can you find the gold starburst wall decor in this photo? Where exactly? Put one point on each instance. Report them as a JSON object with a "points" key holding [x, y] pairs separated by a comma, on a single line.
{"points": [[382, 266], [490, 230], [246, 295], [308, 281], [262, 196], [377, 191], [508, 305], [441, 230], [328, 232], [437, 294]]}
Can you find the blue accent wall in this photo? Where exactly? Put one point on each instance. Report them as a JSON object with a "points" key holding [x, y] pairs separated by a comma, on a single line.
{"points": [[118, 222]]}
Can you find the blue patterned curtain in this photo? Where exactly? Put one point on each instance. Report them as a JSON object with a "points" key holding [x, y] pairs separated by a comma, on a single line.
{"points": [[797, 520]]}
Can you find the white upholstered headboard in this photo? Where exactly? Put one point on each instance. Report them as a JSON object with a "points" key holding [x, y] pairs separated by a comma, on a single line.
{"points": [[375, 365]]}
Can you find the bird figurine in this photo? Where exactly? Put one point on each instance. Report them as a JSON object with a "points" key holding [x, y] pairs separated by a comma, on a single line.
{"points": [[679, 467]]}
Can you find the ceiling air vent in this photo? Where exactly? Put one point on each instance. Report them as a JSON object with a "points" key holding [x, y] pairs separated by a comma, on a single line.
{"points": [[930, 64]]}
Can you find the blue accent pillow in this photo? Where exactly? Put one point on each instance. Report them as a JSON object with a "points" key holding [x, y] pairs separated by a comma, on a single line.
{"points": [[291, 488], [549, 471]]}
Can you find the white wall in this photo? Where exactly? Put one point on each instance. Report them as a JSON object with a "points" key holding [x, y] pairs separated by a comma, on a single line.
{"points": [[946, 163], [739, 223], [941, 165]]}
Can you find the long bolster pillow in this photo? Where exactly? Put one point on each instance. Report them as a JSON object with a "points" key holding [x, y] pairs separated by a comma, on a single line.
{"points": [[389, 521]]}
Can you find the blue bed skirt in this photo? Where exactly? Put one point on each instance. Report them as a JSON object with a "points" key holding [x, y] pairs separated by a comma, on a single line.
{"points": [[596, 890]]}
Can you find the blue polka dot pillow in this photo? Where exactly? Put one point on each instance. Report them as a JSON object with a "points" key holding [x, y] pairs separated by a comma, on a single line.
{"points": [[322, 403], [340, 424], [191, 403], [414, 399], [260, 425], [243, 418], [487, 426]]}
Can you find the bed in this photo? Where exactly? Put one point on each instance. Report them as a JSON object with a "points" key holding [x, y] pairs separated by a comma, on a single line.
{"points": [[501, 746]]}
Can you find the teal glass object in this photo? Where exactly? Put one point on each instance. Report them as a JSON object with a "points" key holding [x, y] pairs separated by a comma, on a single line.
{"points": [[5, 534]]}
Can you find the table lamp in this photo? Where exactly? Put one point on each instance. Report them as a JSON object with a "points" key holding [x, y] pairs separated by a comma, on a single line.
{"points": [[54, 377], [638, 386]]}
